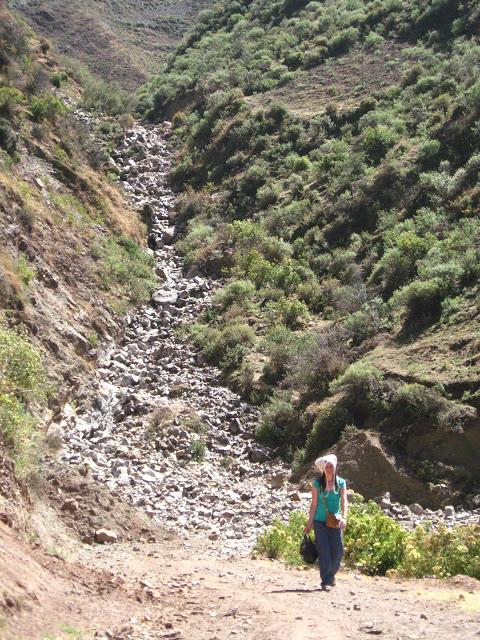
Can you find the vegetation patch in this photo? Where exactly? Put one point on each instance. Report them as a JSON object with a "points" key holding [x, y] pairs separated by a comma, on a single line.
{"points": [[377, 545], [122, 262], [22, 382]]}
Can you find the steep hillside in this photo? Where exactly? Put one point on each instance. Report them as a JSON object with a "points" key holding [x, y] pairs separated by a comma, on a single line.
{"points": [[123, 43], [69, 258], [329, 164]]}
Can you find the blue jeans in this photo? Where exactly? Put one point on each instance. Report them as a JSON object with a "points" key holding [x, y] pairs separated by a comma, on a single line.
{"points": [[329, 545]]}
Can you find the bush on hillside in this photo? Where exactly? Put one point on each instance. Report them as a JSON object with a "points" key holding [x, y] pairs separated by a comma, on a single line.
{"points": [[319, 361], [422, 302], [279, 424], [10, 98], [238, 292], [226, 346], [289, 311], [327, 429], [23, 379], [123, 262], [46, 107]]}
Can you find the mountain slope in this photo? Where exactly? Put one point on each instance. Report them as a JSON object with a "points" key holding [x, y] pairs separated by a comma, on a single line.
{"points": [[123, 43], [69, 258], [329, 162]]}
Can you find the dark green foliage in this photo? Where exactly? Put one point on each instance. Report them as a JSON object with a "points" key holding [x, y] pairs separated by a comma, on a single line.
{"points": [[278, 421], [8, 137]]}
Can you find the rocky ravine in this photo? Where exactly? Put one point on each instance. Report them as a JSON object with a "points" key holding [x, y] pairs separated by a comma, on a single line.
{"points": [[156, 400]]}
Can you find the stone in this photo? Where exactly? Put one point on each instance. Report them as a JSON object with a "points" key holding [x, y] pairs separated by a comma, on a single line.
{"points": [[416, 509], [449, 511], [276, 481], [257, 455], [104, 536], [71, 505]]}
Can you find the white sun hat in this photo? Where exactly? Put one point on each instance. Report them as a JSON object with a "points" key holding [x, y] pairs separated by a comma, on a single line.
{"points": [[321, 463]]}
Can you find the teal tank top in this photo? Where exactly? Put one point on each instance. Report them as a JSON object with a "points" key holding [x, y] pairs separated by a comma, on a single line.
{"points": [[332, 498]]}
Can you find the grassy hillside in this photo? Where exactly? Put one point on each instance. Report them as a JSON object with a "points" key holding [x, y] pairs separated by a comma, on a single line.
{"points": [[69, 258], [329, 163], [122, 41]]}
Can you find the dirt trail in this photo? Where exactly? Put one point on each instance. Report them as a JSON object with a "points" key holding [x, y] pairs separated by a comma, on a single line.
{"points": [[181, 589]]}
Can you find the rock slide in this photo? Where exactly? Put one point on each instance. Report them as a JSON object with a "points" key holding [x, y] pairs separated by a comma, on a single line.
{"points": [[158, 407]]}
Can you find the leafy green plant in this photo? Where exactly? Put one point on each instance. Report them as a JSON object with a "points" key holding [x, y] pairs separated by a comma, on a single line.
{"points": [[124, 263], [279, 424], [198, 450], [46, 107], [22, 379]]}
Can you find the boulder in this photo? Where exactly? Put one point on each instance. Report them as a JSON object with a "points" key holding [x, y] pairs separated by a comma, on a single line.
{"points": [[104, 536]]}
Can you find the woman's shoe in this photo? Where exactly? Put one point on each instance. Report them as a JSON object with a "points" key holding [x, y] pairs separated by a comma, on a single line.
{"points": [[326, 587]]}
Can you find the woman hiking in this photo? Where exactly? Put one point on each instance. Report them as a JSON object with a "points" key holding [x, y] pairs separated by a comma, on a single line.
{"points": [[329, 504]]}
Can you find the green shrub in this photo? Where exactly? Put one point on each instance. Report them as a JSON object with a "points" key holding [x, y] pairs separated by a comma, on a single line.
{"points": [[124, 263], [422, 301], [282, 541], [8, 137], [238, 292], [373, 41], [442, 553], [343, 41], [198, 450], [377, 141], [18, 433], [359, 380], [279, 423], [46, 107], [58, 78], [378, 545], [326, 430], [319, 361], [10, 98], [22, 372], [418, 403], [22, 379], [225, 347], [289, 311], [281, 345], [373, 541], [197, 237]]}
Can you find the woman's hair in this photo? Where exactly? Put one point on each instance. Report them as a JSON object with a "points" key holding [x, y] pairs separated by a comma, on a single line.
{"points": [[322, 478]]}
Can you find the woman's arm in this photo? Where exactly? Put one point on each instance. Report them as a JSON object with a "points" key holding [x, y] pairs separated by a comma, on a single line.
{"points": [[344, 503], [313, 508]]}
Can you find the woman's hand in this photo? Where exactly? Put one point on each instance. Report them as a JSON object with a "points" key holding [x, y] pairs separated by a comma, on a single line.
{"points": [[308, 527], [342, 522]]}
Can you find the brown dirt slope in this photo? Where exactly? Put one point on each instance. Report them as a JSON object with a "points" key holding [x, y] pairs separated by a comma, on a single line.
{"points": [[123, 42]]}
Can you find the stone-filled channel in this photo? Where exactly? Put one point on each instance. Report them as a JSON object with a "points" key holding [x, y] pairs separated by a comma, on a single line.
{"points": [[155, 399]]}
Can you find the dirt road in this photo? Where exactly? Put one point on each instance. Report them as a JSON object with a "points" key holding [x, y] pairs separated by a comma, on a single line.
{"points": [[182, 589]]}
